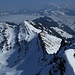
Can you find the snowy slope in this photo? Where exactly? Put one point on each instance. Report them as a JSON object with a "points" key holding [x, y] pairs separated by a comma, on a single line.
{"points": [[62, 33], [71, 59], [36, 48], [52, 43], [7, 46], [27, 31]]}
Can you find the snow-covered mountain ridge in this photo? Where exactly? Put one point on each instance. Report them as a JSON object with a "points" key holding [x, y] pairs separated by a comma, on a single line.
{"points": [[57, 10], [47, 10], [38, 47]]}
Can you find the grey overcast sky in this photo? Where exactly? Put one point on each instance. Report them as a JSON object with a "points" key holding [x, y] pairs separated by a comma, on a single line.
{"points": [[31, 4]]}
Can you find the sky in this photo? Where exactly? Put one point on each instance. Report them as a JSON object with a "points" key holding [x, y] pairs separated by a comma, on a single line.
{"points": [[31, 4]]}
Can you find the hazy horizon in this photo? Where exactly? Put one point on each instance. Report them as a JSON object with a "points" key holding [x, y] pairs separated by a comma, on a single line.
{"points": [[33, 4]]}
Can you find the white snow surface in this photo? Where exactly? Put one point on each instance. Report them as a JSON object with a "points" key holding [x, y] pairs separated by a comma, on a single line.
{"points": [[52, 43], [62, 33], [27, 31], [71, 59]]}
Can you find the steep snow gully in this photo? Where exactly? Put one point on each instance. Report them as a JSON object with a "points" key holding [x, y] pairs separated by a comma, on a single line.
{"points": [[38, 47]]}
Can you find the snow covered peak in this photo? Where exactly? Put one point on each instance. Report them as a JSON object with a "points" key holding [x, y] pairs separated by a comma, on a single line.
{"points": [[30, 27], [39, 44], [27, 31]]}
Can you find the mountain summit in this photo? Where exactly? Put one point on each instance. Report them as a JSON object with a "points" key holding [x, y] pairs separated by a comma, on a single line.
{"points": [[38, 47]]}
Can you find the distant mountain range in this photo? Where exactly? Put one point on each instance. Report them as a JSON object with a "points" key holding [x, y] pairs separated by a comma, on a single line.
{"points": [[47, 10]]}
